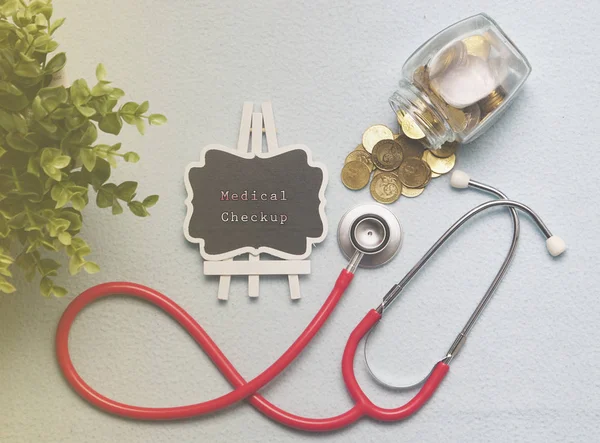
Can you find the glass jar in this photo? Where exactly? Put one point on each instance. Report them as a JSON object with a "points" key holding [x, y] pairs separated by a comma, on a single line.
{"points": [[457, 84]]}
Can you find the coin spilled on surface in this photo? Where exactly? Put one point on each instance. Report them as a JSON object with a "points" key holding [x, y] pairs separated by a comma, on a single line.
{"points": [[395, 164]]}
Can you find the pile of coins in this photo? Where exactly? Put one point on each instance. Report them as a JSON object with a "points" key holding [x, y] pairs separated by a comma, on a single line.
{"points": [[398, 164]]}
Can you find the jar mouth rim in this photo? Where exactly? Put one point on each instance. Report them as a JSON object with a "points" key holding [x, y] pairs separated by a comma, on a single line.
{"points": [[408, 99]]}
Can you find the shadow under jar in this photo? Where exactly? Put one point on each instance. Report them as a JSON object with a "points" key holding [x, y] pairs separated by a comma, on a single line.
{"points": [[458, 83]]}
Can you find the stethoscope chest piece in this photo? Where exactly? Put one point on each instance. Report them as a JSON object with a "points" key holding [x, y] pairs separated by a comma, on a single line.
{"points": [[374, 231]]}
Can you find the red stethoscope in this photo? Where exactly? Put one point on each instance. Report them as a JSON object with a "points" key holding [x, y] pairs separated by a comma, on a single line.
{"points": [[370, 234]]}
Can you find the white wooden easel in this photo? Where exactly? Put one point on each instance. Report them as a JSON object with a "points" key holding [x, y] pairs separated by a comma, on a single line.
{"points": [[255, 123]]}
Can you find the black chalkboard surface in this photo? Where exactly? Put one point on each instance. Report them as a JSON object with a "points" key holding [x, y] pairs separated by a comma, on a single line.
{"points": [[255, 203]]}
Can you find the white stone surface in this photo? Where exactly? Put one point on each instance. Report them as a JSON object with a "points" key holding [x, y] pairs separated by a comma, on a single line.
{"points": [[530, 370]]}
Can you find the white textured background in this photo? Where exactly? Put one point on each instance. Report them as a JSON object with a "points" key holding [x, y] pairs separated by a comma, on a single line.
{"points": [[529, 372]]}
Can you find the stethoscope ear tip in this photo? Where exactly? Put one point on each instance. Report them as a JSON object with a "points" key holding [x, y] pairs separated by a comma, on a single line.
{"points": [[555, 245], [459, 180]]}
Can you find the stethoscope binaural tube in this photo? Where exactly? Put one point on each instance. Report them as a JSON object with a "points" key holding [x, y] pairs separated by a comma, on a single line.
{"points": [[460, 339], [555, 246]]}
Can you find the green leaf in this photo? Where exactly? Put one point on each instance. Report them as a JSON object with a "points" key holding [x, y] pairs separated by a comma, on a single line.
{"points": [[101, 89], [89, 135], [38, 110], [11, 102], [60, 195], [62, 161], [111, 123], [41, 22], [46, 286], [141, 125], [28, 69], [52, 161], [91, 267], [142, 108], [80, 92], [126, 190], [116, 94], [7, 122], [9, 88], [55, 25], [59, 291], [101, 173], [78, 202], [64, 238], [137, 208], [131, 157], [105, 196], [101, 72], [116, 207], [74, 218], [56, 63], [41, 40], [150, 201], [157, 119], [57, 225], [6, 287], [33, 165], [20, 143], [86, 111], [75, 264], [129, 108], [88, 158]]}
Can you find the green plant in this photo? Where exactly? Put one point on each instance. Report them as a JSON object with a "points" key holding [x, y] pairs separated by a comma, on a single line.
{"points": [[49, 156]]}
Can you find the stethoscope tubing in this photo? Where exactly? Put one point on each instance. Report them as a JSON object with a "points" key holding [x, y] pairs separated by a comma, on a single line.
{"points": [[242, 389], [248, 389]]}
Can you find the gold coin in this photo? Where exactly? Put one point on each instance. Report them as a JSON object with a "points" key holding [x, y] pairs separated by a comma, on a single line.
{"points": [[414, 173], [478, 46], [362, 156], [387, 155], [412, 192], [360, 148], [492, 101], [410, 128], [439, 165], [396, 136], [435, 174], [473, 116], [386, 187], [454, 54], [456, 118], [410, 147], [421, 78], [446, 150], [374, 134], [355, 175]]}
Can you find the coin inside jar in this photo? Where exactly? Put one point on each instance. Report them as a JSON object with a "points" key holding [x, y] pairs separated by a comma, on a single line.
{"points": [[410, 127], [386, 187], [355, 175], [439, 165], [414, 173], [375, 134], [387, 155], [478, 45]]}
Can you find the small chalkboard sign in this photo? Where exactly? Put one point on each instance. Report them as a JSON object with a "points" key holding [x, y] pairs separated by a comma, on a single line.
{"points": [[246, 202], [250, 201]]}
